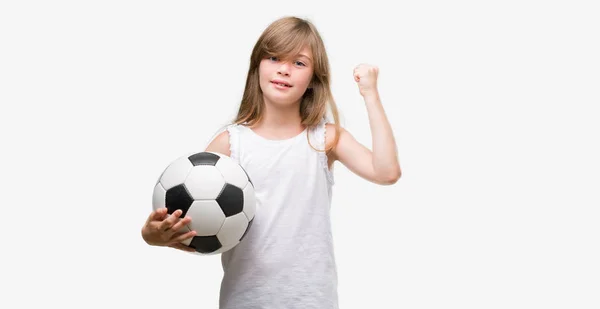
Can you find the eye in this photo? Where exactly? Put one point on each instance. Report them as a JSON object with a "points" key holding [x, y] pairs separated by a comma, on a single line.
{"points": [[273, 58], [300, 63]]}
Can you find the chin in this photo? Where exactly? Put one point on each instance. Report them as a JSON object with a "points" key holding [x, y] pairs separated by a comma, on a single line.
{"points": [[283, 100]]}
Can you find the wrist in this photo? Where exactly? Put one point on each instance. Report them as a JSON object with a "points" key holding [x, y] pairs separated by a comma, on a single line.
{"points": [[371, 95]]}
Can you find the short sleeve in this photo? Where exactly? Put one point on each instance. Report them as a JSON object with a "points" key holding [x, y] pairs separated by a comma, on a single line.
{"points": [[234, 141], [320, 134]]}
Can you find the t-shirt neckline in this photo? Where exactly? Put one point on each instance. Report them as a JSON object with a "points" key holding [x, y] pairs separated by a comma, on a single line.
{"points": [[268, 140]]}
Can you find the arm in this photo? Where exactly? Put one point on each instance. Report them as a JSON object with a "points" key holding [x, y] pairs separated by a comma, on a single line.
{"points": [[379, 165], [220, 144]]}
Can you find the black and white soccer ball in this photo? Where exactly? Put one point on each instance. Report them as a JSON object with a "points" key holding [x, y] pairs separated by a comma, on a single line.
{"points": [[216, 192]]}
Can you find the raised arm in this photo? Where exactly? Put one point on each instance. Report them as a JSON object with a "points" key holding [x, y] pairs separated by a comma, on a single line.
{"points": [[379, 164]]}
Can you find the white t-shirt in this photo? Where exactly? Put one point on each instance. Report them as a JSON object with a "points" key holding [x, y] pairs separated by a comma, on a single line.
{"points": [[286, 260]]}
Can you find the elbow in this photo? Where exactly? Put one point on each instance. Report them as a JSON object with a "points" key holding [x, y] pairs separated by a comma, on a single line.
{"points": [[391, 178]]}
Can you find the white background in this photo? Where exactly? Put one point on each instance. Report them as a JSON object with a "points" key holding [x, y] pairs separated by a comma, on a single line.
{"points": [[491, 102]]}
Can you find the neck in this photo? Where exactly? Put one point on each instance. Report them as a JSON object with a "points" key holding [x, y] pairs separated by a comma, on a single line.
{"points": [[280, 117], [280, 121]]}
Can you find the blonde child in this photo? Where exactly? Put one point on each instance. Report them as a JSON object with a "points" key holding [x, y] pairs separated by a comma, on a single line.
{"points": [[282, 138]]}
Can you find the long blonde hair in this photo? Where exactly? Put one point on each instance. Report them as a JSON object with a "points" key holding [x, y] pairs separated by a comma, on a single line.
{"points": [[285, 37]]}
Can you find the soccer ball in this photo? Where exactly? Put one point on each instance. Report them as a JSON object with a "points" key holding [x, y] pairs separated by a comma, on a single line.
{"points": [[216, 192]]}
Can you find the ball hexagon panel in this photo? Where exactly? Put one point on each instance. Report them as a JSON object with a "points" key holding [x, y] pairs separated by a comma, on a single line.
{"points": [[226, 248], [205, 244], [233, 229], [204, 158], [249, 201], [204, 182], [231, 200], [178, 198], [158, 196], [207, 217], [232, 173], [176, 173]]}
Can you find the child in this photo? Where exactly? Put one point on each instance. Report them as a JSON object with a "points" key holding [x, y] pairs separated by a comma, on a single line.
{"points": [[280, 136]]}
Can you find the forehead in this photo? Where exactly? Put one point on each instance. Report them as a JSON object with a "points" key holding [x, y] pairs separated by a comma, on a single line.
{"points": [[305, 52], [289, 50]]}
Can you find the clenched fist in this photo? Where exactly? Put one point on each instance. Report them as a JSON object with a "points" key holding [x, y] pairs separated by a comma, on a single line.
{"points": [[365, 76]]}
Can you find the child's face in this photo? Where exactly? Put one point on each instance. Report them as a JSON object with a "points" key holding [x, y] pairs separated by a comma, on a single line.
{"points": [[296, 72]]}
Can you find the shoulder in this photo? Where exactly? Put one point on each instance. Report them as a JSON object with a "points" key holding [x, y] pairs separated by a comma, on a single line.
{"points": [[333, 132], [220, 144], [330, 134], [333, 136]]}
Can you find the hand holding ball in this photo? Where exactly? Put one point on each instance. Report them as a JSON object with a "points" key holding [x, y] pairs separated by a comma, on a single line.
{"points": [[215, 192]]}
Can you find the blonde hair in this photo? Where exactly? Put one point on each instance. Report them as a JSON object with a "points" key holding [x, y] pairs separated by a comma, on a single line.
{"points": [[283, 38]]}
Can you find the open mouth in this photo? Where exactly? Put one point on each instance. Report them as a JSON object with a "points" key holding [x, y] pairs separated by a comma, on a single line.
{"points": [[282, 84]]}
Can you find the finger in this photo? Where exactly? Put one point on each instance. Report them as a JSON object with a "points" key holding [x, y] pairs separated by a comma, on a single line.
{"points": [[155, 215], [162, 214], [181, 223], [182, 247], [179, 246], [168, 222], [175, 217], [183, 236]]}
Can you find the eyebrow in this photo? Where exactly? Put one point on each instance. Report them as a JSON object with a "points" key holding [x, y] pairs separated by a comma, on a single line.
{"points": [[305, 56]]}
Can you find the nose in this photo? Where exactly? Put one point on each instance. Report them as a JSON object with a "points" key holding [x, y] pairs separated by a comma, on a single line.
{"points": [[284, 69]]}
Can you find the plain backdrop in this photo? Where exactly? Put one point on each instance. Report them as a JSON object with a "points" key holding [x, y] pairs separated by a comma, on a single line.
{"points": [[494, 105]]}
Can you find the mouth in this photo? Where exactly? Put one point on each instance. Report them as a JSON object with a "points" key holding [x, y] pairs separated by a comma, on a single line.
{"points": [[281, 84]]}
